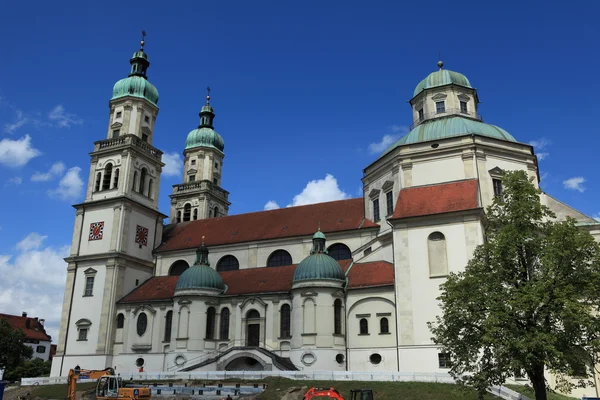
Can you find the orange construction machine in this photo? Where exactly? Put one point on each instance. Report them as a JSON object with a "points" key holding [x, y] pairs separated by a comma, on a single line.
{"points": [[355, 394], [109, 386]]}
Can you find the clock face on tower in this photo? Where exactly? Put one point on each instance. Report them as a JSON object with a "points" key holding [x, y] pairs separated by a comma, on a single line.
{"points": [[141, 236], [96, 230]]}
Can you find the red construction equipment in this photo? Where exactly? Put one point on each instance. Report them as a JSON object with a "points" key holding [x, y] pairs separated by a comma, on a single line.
{"points": [[332, 393]]}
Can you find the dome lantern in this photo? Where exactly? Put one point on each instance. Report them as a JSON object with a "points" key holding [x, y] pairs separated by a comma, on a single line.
{"points": [[200, 276], [319, 266]]}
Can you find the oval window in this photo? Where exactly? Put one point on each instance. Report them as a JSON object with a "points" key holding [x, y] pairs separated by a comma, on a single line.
{"points": [[375, 358], [142, 324]]}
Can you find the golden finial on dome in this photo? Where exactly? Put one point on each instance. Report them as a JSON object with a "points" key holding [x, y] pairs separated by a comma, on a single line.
{"points": [[143, 41], [440, 64], [207, 94]]}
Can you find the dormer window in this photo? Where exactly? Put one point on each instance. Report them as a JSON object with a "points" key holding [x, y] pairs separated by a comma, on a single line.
{"points": [[463, 107], [440, 107], [421, 115]]}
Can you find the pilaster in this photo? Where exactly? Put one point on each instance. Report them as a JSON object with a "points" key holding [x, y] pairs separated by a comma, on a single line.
{"points": [[66, 309], [407, 173]]}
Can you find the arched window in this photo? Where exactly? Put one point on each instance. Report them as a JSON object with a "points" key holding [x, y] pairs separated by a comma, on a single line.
{"points": [[339, 251], [384, 325], [224, 331], [116, 179], [279, 258], [216, 214], [187, 212], [143, 174], [107, 176], [168, 325], [337, 316], [135, 181], [210, 323], [364, 326], [195, 214], [438, 262], [150, 187], [142, 324], [178, 267], [98, 181], [285, 323], [252, 314], [228, 263], [120, 321]]}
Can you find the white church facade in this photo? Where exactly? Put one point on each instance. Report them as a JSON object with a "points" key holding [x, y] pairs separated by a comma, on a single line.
{"points": [[342, 285]]}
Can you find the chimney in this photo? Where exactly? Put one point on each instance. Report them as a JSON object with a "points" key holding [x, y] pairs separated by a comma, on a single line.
{"points": [[42, 321], [24, 314]]}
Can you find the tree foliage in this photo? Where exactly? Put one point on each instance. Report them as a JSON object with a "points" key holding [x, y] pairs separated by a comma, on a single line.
{"points": [[528, 299], [13, 350], [29, 369]]}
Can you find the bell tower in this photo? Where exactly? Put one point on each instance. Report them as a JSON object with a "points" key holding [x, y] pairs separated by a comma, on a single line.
{"points": [[200, 196], [117, 226]]}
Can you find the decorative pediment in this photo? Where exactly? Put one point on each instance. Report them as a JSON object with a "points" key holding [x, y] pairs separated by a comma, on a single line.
{"points": [[143, 307], [439, 96], [309, 293], [90, 271], [463, 97], [146, 130], [192, 171], [338, 294], [116, 125], [496, 172], [83, 322], [212, 302], [184, 302], [374, 193], [252, 300], [387, 186]]}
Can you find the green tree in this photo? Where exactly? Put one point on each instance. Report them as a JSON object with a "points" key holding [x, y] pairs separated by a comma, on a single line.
{"points": [[29, 369], [527, 301], [13, 350]]}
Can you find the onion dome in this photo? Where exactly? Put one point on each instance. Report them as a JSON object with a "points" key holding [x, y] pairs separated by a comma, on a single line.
{"points": [[319, 265], [442, 77], [200, 275]]}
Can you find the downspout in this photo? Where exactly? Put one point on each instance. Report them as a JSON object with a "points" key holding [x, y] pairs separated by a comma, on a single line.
{"points": [[395, 296], [62, 359], [346, 314], [477, 171]]}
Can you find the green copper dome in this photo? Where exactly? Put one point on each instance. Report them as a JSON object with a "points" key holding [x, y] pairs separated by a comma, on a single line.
{"points": [[205, 137], [200, 275], [441, 78], [319, 265], [452, 126], [135, 86]]}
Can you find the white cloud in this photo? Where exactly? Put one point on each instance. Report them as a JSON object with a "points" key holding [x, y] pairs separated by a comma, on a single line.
{"points": [[575, 183], [596, 217], [318, 191], [173, 164], [70, 186], [33, 241], [55, 170], [15, 181], [21, 120], [34, 270], [539, 145], [16, 153], [388, 139], [62, 118], [271, 205]]}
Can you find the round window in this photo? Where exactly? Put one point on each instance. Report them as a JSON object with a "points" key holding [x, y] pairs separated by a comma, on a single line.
{"points": [[142, 324], [308, 358], [375, 358], [339, 358], [180, 360], [139, 362]]}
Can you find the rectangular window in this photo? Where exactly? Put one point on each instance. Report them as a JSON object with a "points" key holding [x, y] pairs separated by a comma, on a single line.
{"points": [[115, 134], [144, 137], [497, 187], [40, 349], [119, 114], [89, 286], [444, 360], [82, 334], [421, 115], [147, 119], [376, 210], [216, 165], [215, 181], [463, 107], [389, 199], [193, 162], [192, 178], [440, 106]]}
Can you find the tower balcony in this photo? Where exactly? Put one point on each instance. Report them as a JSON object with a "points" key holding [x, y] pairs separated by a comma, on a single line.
{"points": [[128, 140], [199, 186], [446, 113]]}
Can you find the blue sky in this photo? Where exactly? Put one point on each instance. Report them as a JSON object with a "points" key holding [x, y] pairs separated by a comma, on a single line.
{"points": [[302, 90]]}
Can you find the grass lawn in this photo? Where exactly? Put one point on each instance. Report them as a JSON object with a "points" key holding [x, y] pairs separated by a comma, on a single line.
{"points": [[529, 393]]}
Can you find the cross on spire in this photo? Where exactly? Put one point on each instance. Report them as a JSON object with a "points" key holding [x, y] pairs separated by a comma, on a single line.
{"points": [[207, 94], [143, 42]]}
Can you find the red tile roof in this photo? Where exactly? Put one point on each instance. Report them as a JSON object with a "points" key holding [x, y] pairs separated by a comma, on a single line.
{"points": [[333, 216], [264, 280], [437, 199], [32, 329]]}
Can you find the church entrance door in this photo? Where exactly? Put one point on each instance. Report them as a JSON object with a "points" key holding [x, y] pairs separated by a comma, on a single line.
{"points": [[253, 335]]}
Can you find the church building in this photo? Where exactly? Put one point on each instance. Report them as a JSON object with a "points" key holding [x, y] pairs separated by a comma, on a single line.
{"points": [[335, 286]]}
